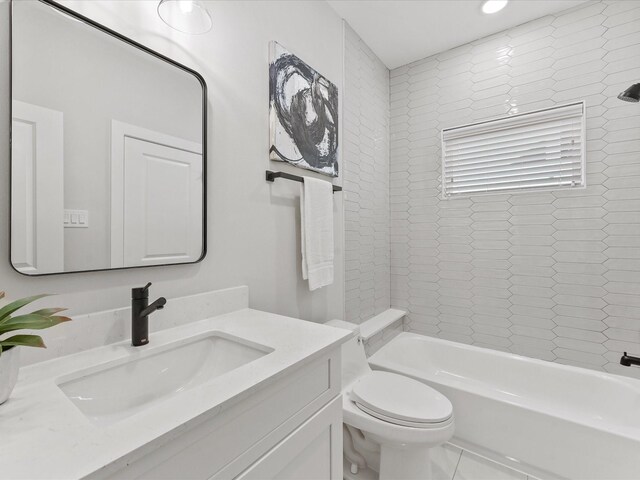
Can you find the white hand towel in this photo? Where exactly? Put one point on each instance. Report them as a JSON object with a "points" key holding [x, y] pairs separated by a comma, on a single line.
{"points": [[316, 209]]}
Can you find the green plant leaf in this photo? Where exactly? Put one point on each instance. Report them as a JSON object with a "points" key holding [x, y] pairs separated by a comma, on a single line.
{"points": [[47, 312], [13, 306], [23, 340], [31, 322]]}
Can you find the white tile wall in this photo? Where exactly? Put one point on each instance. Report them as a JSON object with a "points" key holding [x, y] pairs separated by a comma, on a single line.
{"points": [[366, 180], [552, 275]]}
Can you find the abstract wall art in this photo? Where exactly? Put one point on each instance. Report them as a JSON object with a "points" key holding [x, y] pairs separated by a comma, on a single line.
{"points": [[303, 111]]}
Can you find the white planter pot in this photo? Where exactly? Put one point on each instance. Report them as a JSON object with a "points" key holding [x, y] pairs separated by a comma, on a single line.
{"points": [[9, 366]]}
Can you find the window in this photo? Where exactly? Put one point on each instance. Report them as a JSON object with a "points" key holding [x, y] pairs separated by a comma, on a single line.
{"points": [[544, 149]]}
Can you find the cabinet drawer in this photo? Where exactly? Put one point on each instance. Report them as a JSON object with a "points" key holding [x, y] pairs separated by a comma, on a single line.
{"points": [[313, 451], [234, 438]]}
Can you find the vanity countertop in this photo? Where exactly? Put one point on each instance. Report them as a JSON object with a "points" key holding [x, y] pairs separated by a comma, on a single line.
{"points": [[44, 435]]}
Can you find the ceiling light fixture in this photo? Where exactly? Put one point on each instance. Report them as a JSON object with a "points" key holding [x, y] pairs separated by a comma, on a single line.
{"points": [[186, 16], [631, 94], [493, 6]]}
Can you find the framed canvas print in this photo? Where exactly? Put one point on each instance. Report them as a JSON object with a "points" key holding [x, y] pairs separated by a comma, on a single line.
{"points": [[303, 110]]}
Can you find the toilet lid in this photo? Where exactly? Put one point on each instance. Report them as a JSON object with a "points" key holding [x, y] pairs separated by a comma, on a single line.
{"points": [[393, 397]]}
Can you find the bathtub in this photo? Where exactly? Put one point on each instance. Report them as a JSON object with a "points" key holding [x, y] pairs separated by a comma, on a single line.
{"points": [[547, 420]]}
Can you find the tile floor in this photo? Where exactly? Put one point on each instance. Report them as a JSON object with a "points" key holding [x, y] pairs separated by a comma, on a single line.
{"points": [[453, 463]]}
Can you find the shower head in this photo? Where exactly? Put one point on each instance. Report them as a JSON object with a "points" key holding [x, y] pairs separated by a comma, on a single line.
{"points": [[631, 94]]}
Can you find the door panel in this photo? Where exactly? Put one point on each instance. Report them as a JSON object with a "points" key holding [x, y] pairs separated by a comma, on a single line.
{"points": [[161, 186], [312, 452], [37, 165]]}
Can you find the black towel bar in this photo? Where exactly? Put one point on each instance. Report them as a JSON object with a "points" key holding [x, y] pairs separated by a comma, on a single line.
{"points": [[271, 177]]}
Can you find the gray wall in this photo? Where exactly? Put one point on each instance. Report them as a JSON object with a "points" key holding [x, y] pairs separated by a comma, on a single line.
{"points": [[253, 225], [366, 181], [553, 275]]}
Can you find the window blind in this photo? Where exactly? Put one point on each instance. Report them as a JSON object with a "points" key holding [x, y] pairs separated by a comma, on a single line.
{"points": [[538, 150]]}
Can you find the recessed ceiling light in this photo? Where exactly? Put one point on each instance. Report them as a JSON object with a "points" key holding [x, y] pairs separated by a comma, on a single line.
{"points": [[186, 16], [493, 6]]}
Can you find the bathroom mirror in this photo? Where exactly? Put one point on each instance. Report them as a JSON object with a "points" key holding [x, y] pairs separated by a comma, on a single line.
{"points": [[108, 148]]}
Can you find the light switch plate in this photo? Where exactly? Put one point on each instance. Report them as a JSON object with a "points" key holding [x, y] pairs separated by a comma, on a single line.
{"points": [[76, 218]]}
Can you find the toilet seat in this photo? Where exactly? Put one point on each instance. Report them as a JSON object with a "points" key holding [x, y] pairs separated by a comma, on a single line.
{"points": [[401, 400], [402, 423]]}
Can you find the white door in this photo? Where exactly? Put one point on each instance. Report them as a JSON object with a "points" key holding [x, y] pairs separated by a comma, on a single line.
{"points": [[37, 189], [162, 197], [157, 189]]}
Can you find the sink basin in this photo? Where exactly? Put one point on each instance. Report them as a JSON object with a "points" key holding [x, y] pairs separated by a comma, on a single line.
{"points": [[135, 383]]}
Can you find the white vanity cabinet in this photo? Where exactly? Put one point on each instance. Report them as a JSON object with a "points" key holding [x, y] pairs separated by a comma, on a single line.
{"points": [[262, 401], [289, 429], [312, 452]]}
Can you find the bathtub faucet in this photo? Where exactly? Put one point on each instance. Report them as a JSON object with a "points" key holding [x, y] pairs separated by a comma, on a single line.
{"points": [[628, 360]]}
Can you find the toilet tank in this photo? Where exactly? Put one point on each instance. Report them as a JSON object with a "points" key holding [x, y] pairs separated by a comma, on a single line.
{"points": [[354, 360]]}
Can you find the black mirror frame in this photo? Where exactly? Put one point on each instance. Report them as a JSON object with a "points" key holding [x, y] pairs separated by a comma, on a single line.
{"points": [[133, 43]]}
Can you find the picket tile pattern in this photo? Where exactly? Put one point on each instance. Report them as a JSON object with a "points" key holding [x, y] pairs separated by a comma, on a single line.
{"points": [[553, 275], [366, 181]]}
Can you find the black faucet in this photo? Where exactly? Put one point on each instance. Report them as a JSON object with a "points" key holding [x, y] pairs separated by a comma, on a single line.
{"points": [[140, 311], [628, 360]]}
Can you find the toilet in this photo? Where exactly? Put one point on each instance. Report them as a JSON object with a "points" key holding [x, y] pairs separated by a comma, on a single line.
{"points": [[391, 422]]}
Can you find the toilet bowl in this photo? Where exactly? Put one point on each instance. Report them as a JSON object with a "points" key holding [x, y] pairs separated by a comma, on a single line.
{"points": [[391, 421]]}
